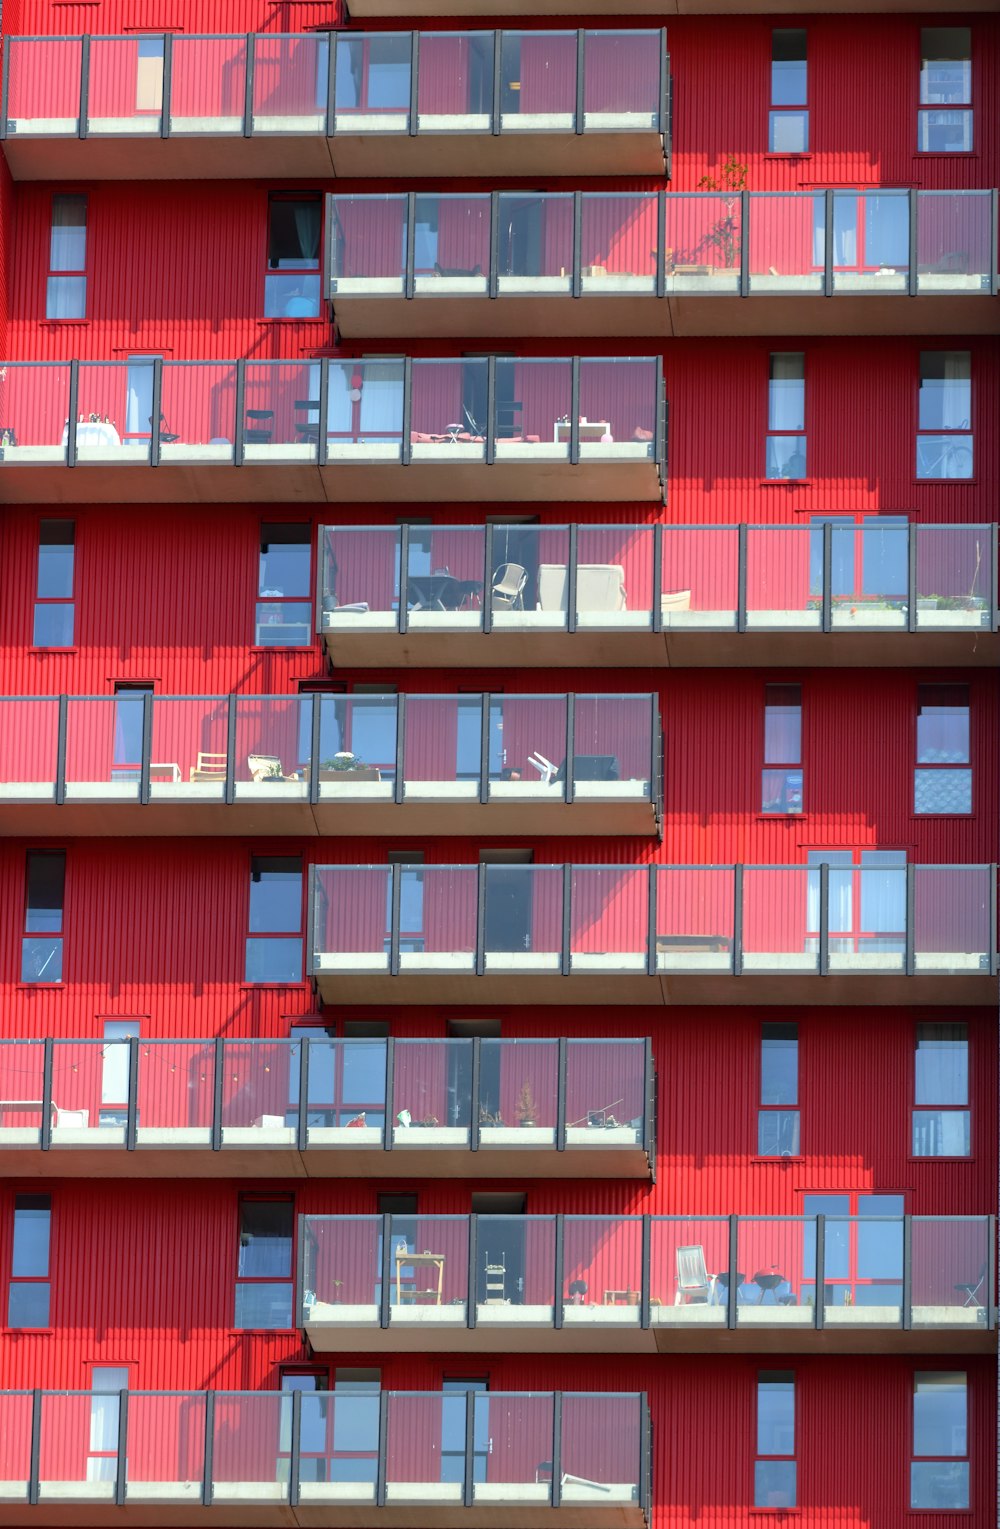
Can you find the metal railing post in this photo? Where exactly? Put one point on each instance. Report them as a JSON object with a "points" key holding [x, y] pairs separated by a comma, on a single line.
{"points": [[475, 1091], [827, 243], [567, 886], [155, 422], [738, 921], [409, 274], [576, 275], [406, 445], [315, 741], [484, 748], [572, 570], [824, 919], [45, 1133], [657, 612], [820, 1270], [389, 1122], [562, 1054], [913, 282], [651, 952], [907, 1273], [826, 619], [383, 1444], [744, 244], [404, 575], [414, 83], [239, 432], [910, 964], [557, 1415], [396, 877], [559, 1273], [218, 1060], [121, 1463], [84, 125], [495, 122], [645, 1274], [472, 1291], [302, 1123], [732, 1287], [574, 425], [481, 920], [911, 577], [569, 783], [62, 723], [661, 242], [385, 1305], [331, 85], [230, 787], [741, 577], [208, 1473], [248, 87], [295, 1464], [36, 1448], [74, 409], [146, 757], [493, 278], [468, 1480], [581, 76], [487, 601], [132, 1114], [399, 784]]}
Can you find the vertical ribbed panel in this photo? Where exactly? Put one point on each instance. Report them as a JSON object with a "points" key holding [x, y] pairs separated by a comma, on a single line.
{"points": [[42, 18]]}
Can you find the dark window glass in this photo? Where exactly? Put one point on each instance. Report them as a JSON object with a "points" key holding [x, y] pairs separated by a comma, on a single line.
{"points": [[264, 1269], [785, 455], [943, 127], [275, 910], [788, 121], [292, 285], [939, 1474], [29, 1292], [945, 406], [942, 743], [775, 1470], [941, 1080], [781, 786], [284, 580], [66, 294], [778, 1128], [41, 945], [54, 611]]}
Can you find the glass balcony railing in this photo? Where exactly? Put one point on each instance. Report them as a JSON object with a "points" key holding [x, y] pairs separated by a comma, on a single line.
{"points": [[422, 1449], [883, 575], [642, 1272], [440, 412], [561, 920], [330, 1095], [337, 84], [661, 244], [323, 749]]}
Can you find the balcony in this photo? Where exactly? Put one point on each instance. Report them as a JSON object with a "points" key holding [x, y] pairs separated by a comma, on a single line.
{"points": [[325, 1108], [491, 428], [270, 1458], [641, 1284], [885, 592], [172, 106], [662, 263], [330, 764], [653, 934]]}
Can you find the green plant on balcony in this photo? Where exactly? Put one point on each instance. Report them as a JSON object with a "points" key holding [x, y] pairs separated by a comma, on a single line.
{"points": [[724, 234], [527, 1109]]}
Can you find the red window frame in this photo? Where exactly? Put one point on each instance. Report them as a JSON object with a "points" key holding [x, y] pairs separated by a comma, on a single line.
{"points": [[769, 766], [920, 765], [76, 274], [28, 1279], [265, 1279], [928, 1367], [852, 1279], [69, 599], [277, 934], [916, 1106]]}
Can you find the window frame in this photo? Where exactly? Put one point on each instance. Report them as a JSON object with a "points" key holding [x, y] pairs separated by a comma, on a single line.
{"points": [[77, 273], [961, 435], [782, 1459], [35, 935], [276, 934], [925, 107], [48, 600], [852, 1279], [858, 932], [776, 110], [304, 195], [917, 1107], [308, 600], [788, 766], [265, 1197], [764, 1109], [926, 1369], [802, 434], [941, 766], [16, 1281]]}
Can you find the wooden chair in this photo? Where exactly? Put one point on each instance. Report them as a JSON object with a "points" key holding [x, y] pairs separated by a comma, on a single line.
{"points": [[209, 767]]}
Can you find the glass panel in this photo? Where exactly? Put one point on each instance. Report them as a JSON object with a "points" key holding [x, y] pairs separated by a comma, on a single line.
{"points": [[527, 747], [950, 1268], [367, 237], [688, 1270], [360, 575], [523, 917], [771, 1264], [871, 241], [256, 1087], [365, 412], [704, 234], [700, 576], [239, 1417], [342, 1269], [952, 928], [28, 764], [538, 81], [780, 931], [176, 1087], [350, 905], [530, 578], [115, 399], [621, 74], [125, 91], [437, 917], [96, 768], [787, 240], [432, 1092], [166, 1442], [613, 745], [65, 1454], [603, 1255], [953, 238], [779, 583], [429, 1267], [774, 1484], [43, 93], [15, 1434], [207, 84], [21, 1081], [281, 403], [953, 587], [945, 390], [940, 1413], [518, 1092], [614, 578], [618, 242], [444, 585], [373, 81], [273, 743], [694, 918], [34, 412], [511, 1428], [622, 395], [455, 81], [189, 748], [608, 1475], [289, 84], [535, 241], [609, 918]]}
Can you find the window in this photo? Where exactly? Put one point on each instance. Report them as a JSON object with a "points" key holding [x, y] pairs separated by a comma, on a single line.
{"points": [[941, 1091], [863, 1252], [42, 944], [107, 1382], [355, 1425], [944, 438], [149, 76], [944, 119], [867, 890], [788, 120], [786, 416], [313, 1449], [453, 1436], [939, 1473], [939, 783], [54, 609], [868, 558], [128, 750], [66, 289], [781, 778], [774, 1484], [777, 1122], [274, 940], [292, 283], [284, 587], [264, 1266], [411, 899], [28, 1295], [346, 1077]]}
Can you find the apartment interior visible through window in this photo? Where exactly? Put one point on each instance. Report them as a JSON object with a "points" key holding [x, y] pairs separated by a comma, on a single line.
{"points": [[788, 120]]}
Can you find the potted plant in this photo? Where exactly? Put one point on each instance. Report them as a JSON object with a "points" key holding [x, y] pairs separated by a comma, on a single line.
{"points": [[272, 772], [526, 1107], [346, 763]]}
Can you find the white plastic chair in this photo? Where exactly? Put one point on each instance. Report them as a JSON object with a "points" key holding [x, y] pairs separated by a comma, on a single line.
{"points": [[508, 587], [695, 1286]]}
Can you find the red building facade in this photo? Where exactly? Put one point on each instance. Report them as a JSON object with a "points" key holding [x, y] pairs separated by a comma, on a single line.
{"points": [[498, 665]]}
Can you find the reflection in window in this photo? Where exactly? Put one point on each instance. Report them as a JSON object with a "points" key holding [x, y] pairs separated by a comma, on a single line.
{"points": [[944, 438], [863, 1251], [786, 416], [264, 1264], [107, 1382], [66, 288], [274, 939], [283, 616], [292, 283], [29, 1292], [42, 944], [781, 778], [941, 1091], [774, 1483], [778, 1116], [944, 118], [871, 232], [939, 1473], [942, 744], [54, 608], [788, 120], [373, 73]]}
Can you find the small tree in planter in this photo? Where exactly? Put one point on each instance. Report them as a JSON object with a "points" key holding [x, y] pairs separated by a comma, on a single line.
{"points": [[724, 235], [526, 1107]]}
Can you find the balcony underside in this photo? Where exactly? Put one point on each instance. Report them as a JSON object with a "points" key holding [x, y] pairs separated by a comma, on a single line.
{"points": [[80, 1158], [257, 1505], [973, 647], [228, 156], [434, 478], [558, 315], [616, 985], [443, 811], [434, 1329]]}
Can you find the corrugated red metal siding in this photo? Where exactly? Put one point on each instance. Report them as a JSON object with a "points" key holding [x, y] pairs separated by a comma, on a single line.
{"points": [[44, 18]]}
